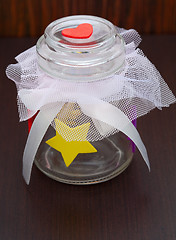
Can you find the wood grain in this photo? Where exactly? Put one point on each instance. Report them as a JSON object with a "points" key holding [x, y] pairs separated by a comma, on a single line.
{"points": [[137, 205], [30, 17]]}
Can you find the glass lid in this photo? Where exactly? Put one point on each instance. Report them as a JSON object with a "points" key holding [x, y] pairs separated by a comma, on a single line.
{"points": [[80, 47]]}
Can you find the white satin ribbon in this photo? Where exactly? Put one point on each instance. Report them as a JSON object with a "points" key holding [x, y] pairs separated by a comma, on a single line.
{"points": [[37, 132], [98, 109], [111, 115]]}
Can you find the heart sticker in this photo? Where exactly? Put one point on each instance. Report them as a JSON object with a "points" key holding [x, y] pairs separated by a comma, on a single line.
{"points": [[83, 30]]}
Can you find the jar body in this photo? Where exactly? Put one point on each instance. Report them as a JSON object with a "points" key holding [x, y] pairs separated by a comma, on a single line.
{"points": [[113, 156], [76, 67]]}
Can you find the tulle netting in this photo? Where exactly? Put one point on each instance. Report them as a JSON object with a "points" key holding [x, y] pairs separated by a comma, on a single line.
{"points": [[135, 89]]}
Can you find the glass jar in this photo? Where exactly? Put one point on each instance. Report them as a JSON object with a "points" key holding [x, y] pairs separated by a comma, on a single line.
{"points": [[86, 60]]}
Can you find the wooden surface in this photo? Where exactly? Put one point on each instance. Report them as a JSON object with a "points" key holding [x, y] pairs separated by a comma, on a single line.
{"points": [[30, 17], [137, 205]]}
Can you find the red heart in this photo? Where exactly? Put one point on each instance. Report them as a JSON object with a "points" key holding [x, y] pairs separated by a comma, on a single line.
{"points": [[83, 30]]}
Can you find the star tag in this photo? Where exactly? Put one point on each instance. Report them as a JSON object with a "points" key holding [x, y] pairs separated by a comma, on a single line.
{"points": [[70, 141]]}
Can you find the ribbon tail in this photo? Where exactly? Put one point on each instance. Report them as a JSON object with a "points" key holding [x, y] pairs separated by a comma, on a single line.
{"points": [[37, 132], [113, 116]]}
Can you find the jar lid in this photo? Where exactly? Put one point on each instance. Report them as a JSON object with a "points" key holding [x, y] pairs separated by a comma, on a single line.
{"points": [[83, 59]]}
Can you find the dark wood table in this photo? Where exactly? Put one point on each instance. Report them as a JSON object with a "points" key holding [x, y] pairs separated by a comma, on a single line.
{"points": [[137, 205]]}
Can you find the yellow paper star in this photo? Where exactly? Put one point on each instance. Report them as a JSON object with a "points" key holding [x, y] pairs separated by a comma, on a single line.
{"points": [[71, 141]]}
